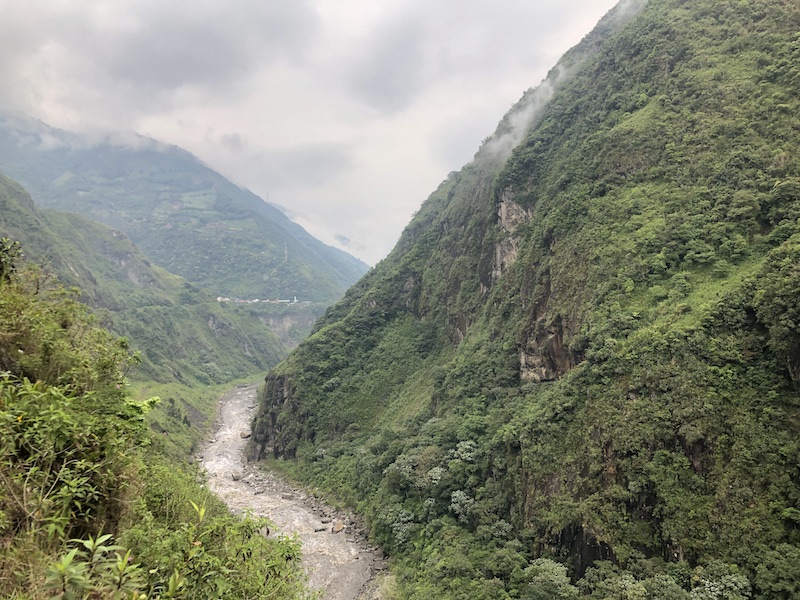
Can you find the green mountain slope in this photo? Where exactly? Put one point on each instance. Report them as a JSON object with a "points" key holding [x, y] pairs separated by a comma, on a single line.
{"points": [[185, 338], [184, 216], [586, 349]]}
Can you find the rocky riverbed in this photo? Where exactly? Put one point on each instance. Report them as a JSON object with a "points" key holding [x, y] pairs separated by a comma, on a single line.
{"points": [[337, 558]]}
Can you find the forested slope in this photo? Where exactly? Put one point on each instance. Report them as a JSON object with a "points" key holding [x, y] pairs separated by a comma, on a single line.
{"points": [[185, 339], [181, 331], [587, 349]]}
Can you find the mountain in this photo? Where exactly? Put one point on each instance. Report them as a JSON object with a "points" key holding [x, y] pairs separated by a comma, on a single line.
{"points": [[577, 372], [185, 338], [183, 333], [184, 216]]}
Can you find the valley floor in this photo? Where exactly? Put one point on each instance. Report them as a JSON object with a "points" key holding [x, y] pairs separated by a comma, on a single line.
{"points": [[340, 564]]}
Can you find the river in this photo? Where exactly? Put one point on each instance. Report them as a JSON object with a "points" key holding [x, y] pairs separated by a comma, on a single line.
{"points": [[336, 557]]}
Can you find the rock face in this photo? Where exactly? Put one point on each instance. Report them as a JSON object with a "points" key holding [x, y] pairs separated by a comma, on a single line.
{"points": [[542, 355], [510, 216], [267, 431], [293, 326], [542, 358]]}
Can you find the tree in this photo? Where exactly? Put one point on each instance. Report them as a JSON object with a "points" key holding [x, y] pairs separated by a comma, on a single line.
{"points": [[547, 579], [10, 255]]}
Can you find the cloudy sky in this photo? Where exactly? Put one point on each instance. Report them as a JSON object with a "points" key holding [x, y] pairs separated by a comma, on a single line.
{"points": [[347, 113]]}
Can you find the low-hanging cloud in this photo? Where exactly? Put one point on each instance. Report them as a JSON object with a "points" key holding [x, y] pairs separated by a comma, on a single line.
{"points": [[519, 121], [523, 116], [311, 165], [36, 134]]}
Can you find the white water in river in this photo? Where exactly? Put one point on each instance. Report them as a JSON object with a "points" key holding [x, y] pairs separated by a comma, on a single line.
{"points": [[341, 564]]}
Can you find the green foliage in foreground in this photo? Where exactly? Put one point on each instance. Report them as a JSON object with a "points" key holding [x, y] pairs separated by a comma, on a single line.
{"points": [[609, 383], [76, 469]]}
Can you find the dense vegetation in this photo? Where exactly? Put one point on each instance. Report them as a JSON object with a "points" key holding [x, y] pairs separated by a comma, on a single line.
{"points": [[181, 214], [576, 375], [87, 510]]}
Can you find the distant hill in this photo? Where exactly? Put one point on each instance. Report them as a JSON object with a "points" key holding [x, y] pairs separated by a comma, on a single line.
{"points": [[585, 347], [183, 334], [184, 216]]}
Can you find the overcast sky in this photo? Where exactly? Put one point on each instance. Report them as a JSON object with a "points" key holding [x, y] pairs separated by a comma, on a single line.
{"points": [[347, 113]]}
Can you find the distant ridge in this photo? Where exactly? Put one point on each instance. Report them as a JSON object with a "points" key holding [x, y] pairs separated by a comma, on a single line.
{"points": [[181, 331], [186, 217]]}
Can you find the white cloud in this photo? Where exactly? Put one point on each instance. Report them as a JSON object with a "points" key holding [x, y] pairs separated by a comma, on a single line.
{"points": [[347, 112]]}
